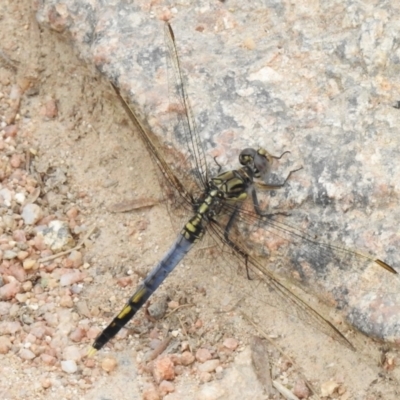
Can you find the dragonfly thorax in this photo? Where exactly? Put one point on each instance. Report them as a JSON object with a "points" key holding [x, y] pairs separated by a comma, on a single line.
{"points": [[230, 186]]}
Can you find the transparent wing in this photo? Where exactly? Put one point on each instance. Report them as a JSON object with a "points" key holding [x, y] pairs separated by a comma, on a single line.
{"points": [[186, 127], [278, 292], [358, 284], [174, 190]]}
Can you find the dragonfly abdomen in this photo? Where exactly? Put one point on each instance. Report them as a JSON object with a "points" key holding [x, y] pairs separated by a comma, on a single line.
{"points": [[153, 280]]}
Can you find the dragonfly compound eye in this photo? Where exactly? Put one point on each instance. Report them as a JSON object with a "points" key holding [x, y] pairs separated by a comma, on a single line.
{"points": [[247, 156]]}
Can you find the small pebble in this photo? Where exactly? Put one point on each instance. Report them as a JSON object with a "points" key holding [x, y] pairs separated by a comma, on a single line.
{"points": [[46, 383], [109, 364], [71, 277], [328, 388], [74, 260], [231, 343], [4, 308], [48, 359], [10, 131], [10, 327], [57, 236], [19, 236], [22, 255], [203, 355], [173, 304], [5, 344], [9, 290], [301, 390], [17, 272], [205, 377], [163, 369], [158, 309], [187, 358], [9, 222], [69, 366], [124, 281], [77, 335], [66, 301], [151, 393], [9, 255], [26, 354], [72, 213], [31, 214], [29, 264], [38, 331], [27, 286], [50, 109], [209, 366], [5, 197], [20, 198], [16, 160], [166, 387]]}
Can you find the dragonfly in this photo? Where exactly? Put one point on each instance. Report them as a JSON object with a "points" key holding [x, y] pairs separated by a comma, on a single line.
{"points": [[218, 209]]}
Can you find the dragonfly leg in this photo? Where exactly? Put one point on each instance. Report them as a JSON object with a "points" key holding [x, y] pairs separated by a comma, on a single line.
{"points": [[266, 186], [278, 158], [262, 213], [234, 245], [218, 164]]}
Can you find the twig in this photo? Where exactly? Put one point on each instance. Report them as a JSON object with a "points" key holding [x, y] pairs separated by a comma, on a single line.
{"points": [[264, 335]]}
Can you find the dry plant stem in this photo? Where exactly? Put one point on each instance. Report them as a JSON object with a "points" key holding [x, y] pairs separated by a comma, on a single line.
{"points": [[264, 335]]}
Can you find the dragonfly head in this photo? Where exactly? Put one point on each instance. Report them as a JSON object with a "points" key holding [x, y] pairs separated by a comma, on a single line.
{"points": [[258, 160]]}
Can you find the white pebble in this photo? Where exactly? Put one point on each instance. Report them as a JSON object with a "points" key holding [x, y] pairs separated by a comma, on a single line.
{"points": [[31, 214], [5, 196], [209, 366], [19, 198], [26, 354], [57, 236], [69, 366], [71, 277]]}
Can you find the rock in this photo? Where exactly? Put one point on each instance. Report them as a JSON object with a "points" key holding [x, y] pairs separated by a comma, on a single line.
{"points": [[5, 344], [70, 278], [109, 364], [74, 260], [26, 354], [231, 343], [187, 358], [202, 355], [163, 369], [166, 387], [301, 390], [5, 197], [29, 264], [328, 388], [77, 335], [9, 290], [31, 214], [9, 254], [209, 366], [69, 366], [57, 236]]}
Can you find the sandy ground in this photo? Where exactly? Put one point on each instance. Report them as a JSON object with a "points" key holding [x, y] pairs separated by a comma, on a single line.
{"points": [[70, 128]]}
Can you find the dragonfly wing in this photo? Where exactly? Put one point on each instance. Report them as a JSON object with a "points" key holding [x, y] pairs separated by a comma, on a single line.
{"points": [[277, 291], [176, 194], [185, 128], [354, 283]]}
